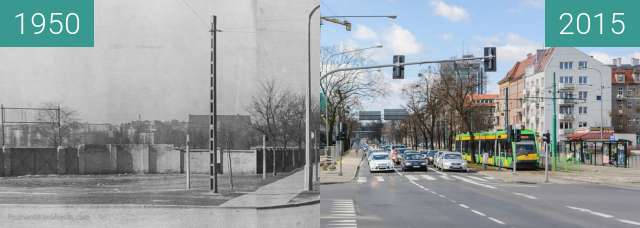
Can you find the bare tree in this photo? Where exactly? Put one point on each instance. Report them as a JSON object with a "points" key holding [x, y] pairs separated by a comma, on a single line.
{"points": [[346, 89], [265, 107], [69, 124]]}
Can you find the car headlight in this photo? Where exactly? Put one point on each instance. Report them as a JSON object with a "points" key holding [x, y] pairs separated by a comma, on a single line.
{"points": [[423, 163], [408, 163]]}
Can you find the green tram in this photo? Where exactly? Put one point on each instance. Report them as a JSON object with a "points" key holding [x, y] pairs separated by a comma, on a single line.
{"points": [[499, 150]]}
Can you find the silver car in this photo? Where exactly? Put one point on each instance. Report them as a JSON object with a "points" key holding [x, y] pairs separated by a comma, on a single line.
{"points": [[452, 161]]}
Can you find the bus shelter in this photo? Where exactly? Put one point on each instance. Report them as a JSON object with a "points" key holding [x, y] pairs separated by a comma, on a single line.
{"points": [[594, 148]]}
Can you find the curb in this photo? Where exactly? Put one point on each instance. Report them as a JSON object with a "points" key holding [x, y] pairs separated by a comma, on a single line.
{"points": [[355, 173]]}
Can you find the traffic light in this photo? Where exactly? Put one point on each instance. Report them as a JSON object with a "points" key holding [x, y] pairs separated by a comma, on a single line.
{"points": [[546, 137], [398, 71], [490, 59]]}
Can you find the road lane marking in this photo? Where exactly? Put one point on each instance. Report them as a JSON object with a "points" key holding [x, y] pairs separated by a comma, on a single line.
{"points": [[496, 220], [464, 206], [427, 177], [591, 212], [526, 196], [629, 222], [445, 177], [478, 213], [477, 178], [362, 180], [380, 179], [473, 182], [435, 170], [412, 177]]}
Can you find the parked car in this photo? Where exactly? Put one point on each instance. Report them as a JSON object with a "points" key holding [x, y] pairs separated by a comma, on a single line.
{"points": [[413, 161], [452, 161], [379, 161]]}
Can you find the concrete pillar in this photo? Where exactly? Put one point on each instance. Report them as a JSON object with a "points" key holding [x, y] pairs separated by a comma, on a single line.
{"points": [[7, 161], [82, 169], [61, 161]]}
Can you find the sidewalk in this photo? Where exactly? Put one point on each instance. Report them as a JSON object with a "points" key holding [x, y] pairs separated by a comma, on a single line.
{"points": [[275, 194], [350, 165], [625, 177]]}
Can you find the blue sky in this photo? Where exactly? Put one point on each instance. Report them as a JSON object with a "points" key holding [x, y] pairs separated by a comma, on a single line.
{"points": [[440, 29]]}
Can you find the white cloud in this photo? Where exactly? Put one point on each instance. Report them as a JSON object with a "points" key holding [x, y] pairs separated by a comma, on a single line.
{"points": [[402, 41], [453, 13], [511, 47], [364, 33], [602, 57]]}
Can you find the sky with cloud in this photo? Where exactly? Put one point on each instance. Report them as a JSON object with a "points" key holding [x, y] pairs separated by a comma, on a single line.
{"points": [[441, 29]]}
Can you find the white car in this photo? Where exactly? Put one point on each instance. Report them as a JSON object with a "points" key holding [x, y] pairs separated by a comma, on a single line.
{"points": [[452, 161], [380, 162]]}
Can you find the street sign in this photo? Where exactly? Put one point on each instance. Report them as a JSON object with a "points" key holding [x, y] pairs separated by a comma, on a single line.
{"points": [[612, 138], [370, 115], [395, 114]]}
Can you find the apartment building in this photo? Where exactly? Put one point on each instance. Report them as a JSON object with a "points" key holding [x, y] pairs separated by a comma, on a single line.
{"points": [[625, 88], [583, 99]]}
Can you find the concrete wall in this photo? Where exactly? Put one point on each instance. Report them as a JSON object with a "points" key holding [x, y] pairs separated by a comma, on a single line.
{"points": [[164, 158], [242, 162]]}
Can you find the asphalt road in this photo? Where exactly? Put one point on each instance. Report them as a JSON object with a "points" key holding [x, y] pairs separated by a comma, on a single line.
{"points": [[452, 199]]}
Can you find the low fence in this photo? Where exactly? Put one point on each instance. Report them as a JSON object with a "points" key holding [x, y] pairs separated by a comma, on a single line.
{"points": [[284, 159]]}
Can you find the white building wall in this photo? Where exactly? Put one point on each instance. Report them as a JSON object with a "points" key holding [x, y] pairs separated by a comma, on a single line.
{"points": [[599, 75], [534, 108]]}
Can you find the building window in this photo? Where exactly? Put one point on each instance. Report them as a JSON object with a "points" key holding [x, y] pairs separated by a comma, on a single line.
{"points": [[620, 77], [636, 77], [564, 95], [566, 65], [630, 92], [582, 110], [582, 80], [582, 95], [582, 124], [620, 91], [582, 65], [566, 110], [566, 125]]}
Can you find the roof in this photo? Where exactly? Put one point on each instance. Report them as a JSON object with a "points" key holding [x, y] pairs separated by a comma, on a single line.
{"points": [[627, 70], [589, 135], [485, 96], [519, 68]]}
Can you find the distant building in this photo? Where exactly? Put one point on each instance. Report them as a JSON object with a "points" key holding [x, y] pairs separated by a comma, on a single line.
{"points": [[472, 69], [484, 108], [581, 103], [625, 88], [234, 131]]}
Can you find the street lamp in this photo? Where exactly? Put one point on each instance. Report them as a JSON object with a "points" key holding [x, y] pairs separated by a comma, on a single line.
{"points": [[308, 185]]}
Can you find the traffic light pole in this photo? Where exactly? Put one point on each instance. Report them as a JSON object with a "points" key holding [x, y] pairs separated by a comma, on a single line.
{"points": [[402, 64]]}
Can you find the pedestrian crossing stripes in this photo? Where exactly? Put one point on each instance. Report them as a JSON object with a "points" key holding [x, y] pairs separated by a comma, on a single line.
{"points": [[427, 177], [343, 213], [471, 179]]}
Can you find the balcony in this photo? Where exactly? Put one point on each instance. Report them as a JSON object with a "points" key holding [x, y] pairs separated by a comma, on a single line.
{"points": [[566, 86], [568, 131], [566, 117], [567, 101], [620, 96]]}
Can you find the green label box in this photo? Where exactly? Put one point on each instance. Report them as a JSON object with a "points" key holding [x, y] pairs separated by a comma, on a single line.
{"points": [[46, 23], [592, 23]]}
